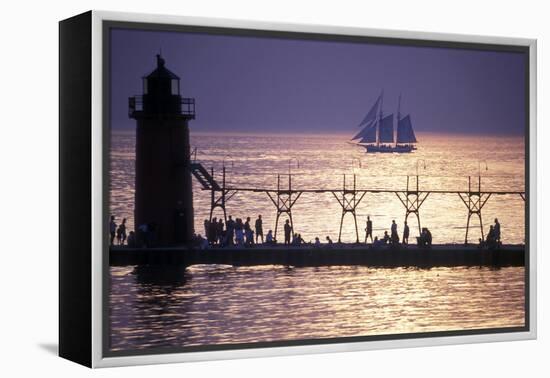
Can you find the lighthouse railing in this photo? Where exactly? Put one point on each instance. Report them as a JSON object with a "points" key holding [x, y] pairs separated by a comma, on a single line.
{"points": [[186, 106]]}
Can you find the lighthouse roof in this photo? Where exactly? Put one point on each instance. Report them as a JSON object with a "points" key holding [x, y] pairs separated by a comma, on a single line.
{"points": [[161, 72]]}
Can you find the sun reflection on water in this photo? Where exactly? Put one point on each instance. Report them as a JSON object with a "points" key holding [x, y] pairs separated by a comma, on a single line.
{"points": [[220, 304], [255, 161]]}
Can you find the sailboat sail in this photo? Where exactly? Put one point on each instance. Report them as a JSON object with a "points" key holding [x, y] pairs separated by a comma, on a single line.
{"points": [[362, 133], [377, 132], [369, 134], [371, 115], [405, 132], [385, 133]]}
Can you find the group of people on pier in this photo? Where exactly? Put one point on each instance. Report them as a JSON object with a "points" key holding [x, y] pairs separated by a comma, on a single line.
{"points": [[233, 232], [424, 239], [236, 233], [493, 237], [119, 232]]}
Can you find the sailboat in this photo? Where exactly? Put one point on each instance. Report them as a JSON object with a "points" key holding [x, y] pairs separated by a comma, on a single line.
{"points": [[377, 133]]}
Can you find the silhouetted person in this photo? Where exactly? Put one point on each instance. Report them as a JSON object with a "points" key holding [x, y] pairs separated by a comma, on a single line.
{"points": [[142, 236], [386, 238], [421, 239], [497, 231], [219, 232], [317, 243], [294, 239], [206, 228], [132, 239], [425, 238], [212, 227], [215, 230], [481, 243], [376, 242], [329, 240], [491, 240], [202, 242], [297, 240], [406, 233], [394, 235], [269, 237], [239, 232], [146, 234], [288, 231], [121, 232], [368, 230], [248, 234], [230, 226], [259, 229], [112, 229]]}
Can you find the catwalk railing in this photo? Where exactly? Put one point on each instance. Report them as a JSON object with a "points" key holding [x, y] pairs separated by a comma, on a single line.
{"points": [[349, 196]]}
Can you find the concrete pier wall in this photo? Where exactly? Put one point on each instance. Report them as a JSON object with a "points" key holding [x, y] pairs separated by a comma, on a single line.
{"points": [[411, 256]]}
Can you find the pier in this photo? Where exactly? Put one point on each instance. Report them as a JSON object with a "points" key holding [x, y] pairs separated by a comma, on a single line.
{"points": [[349, 196], [444, 255]]}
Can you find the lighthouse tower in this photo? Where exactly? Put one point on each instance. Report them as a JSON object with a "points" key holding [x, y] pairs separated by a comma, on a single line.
{"points": [[163, 193]]}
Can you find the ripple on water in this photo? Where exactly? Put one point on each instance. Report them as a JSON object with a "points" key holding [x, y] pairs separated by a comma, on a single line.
{"points": [[220, 305]]}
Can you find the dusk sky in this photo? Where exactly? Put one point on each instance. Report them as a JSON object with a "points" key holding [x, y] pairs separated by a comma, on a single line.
{"points": [[277, 85]]}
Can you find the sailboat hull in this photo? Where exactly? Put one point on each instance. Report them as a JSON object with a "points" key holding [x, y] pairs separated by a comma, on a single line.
{"points": [[389, 149]]}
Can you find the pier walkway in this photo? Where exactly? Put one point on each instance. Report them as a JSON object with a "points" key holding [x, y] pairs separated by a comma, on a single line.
{"points": [[447, 255]]}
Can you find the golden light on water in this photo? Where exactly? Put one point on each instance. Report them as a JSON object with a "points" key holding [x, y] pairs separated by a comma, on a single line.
{"points": [[206, 305], [221, 305], [255, 161]]}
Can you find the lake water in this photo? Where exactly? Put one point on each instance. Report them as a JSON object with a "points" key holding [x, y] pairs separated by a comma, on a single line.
{"points": [[219, 304], [255, 161]]}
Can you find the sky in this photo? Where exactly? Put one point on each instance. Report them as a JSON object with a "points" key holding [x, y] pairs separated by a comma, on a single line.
{"points": [[266, 84]]}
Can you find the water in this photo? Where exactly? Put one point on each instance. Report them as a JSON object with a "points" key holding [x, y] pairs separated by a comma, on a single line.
{"points": [[218, 304], [209, 305], [255, 161]]}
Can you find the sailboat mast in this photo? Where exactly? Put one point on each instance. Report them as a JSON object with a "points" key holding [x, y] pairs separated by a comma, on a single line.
{"points": [[379, 119], [398, 117], [399, 108]]}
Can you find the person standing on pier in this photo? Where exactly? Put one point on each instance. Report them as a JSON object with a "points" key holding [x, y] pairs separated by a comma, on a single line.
{"points": [[132, 239], [219, 232], [386, 238], [239, 237], [230, 226], [497, 231], [288, 232], [212, 226], [368, 230], [112, 229], [394, 236], [259, 229], [421, 239], [206, 228], [121, 232], [269, 237], [406, 233], [491, 239], [248, 232], [317, 243]]}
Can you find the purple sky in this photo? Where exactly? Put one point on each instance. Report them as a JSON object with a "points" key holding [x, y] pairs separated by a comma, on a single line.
{"points": [[276, 85]]}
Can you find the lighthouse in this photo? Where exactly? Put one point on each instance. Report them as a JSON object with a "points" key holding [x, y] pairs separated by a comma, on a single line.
{"points": [[163, 192]]}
